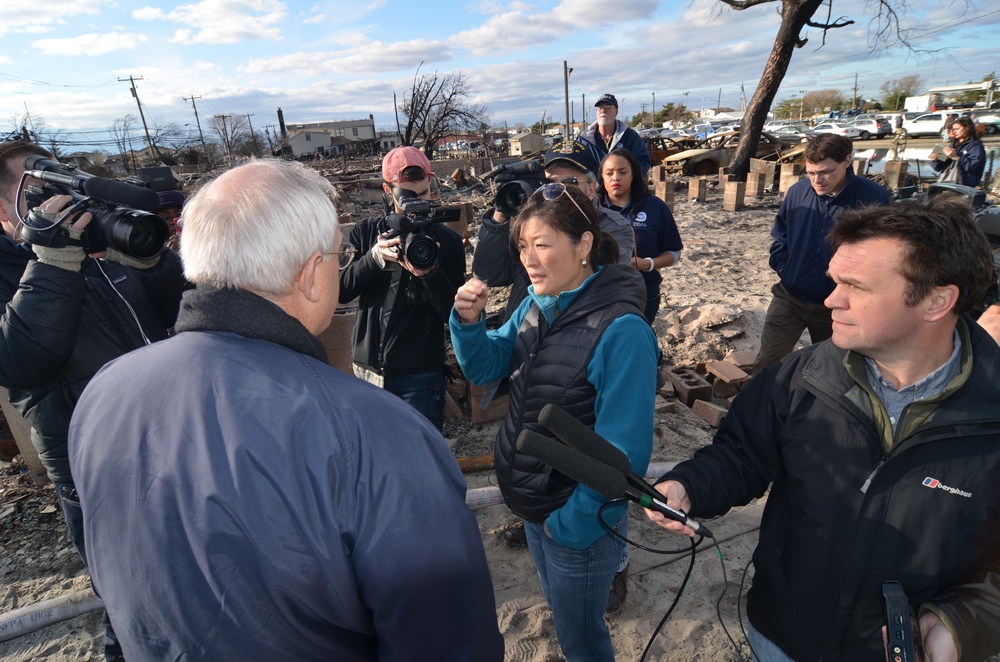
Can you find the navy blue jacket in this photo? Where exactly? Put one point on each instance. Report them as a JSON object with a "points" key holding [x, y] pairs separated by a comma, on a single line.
{"points": [[244, 500], [625, 137], [971, 163], [800, 253]]}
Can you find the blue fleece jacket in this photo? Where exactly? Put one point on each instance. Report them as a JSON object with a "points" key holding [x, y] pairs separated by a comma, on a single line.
{"points": [[623, 372], [800, 253]]}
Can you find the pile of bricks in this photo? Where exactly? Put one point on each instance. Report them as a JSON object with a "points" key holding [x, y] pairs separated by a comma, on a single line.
{"points": [[707, 389]]}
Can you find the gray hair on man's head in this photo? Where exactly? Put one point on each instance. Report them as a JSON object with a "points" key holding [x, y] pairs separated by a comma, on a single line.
{"points": [[255, 226]]}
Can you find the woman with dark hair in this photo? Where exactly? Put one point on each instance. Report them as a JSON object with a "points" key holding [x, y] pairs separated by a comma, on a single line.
{"points": [[579, 340], [657, 242], [967, 150]]}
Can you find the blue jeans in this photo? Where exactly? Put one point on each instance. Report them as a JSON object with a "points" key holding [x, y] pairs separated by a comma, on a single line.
{"points": [[575, 583], [764, 650], [424, 391]]}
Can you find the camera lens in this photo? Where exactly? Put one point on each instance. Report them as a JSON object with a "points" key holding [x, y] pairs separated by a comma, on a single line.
{"points": [[135, 233], [421, 251]]}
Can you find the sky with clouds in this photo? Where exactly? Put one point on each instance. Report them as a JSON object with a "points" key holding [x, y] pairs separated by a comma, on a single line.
{"points": [[63, 61]]}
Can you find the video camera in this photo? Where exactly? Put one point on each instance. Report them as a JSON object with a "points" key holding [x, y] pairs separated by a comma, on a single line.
{"points": [[417, 245], [120, 211], [515, 184]]}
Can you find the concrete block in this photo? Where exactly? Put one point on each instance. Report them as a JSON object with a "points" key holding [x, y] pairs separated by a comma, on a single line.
{"points": [[452, 410], [337, 339], [659, 173], [664, 406], [860, 167], [495, 411], [689, 385], [733, 197], [728, 372], [697, 190], [722, 389], [895, 174], [667, 390], [792, 169], [743, 359], [755, 184], [665, 191], [712, 413], [787, 181], [461, 226]]}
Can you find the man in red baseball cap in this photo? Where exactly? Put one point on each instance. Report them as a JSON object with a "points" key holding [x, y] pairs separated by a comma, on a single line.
{"points": [[404, 296]]}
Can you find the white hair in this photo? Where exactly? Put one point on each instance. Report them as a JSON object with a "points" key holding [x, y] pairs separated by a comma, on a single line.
{"points": [[256, 226]]}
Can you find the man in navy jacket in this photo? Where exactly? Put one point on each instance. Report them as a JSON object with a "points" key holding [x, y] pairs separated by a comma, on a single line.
{"points": [[800, 252], [279, 509]]}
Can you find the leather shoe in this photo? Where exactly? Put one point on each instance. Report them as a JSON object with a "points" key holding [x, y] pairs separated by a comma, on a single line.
{"points": [[619, 590]]}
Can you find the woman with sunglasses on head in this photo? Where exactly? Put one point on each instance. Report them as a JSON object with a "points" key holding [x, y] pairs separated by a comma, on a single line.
{"points": [[580, 341], [967, 150], [657, 241]]}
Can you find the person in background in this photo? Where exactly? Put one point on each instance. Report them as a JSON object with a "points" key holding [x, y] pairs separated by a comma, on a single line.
{"points": [[66, 315], [967, 150], [171, 203], [398, 338], [609, 133], [578, 340], [879, 450], [657, 242], [281, 510], [800, 252]]}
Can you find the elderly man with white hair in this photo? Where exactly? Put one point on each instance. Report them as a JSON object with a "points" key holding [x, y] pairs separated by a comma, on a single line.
{"points": [[270, 512]]}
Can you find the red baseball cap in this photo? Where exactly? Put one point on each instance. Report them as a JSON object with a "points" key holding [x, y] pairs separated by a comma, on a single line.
{"points": [[401, 158]]}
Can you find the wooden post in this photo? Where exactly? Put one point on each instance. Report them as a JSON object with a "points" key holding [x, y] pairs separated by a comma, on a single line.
{"points": [[697, 189], [21, 432], [732, 198], [755, 184]]}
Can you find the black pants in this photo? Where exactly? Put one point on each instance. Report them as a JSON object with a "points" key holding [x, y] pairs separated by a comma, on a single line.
{"points": [[787, 317]]}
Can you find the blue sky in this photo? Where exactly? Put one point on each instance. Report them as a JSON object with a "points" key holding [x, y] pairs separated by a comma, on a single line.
{"points": [[62, 59]]}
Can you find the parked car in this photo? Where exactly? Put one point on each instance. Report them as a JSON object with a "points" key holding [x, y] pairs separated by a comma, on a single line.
{"points": [[928, 124], [672, 133], [872, 127], [839, 129], [792, 134], [987, 121]]}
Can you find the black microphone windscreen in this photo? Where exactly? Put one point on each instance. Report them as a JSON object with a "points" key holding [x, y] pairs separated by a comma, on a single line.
{"points": [[568, 428], [598, 477], [120, 193]]}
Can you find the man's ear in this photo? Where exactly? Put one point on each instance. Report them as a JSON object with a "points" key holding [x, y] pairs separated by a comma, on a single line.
{"points": [[940, 302], [306, 282]]}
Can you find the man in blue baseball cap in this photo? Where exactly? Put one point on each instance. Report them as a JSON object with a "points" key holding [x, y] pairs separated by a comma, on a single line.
{"points": [[609, 133]]}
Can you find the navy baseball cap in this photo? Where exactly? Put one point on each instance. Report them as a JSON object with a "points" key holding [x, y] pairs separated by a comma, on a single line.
{"points": [[571, 153], [607, 98]]}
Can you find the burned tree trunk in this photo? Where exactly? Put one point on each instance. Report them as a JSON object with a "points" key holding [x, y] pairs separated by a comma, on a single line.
{"points": [[794, 16]]}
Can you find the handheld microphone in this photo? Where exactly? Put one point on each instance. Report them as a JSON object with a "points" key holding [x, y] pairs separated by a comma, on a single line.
{"points": [[604, 479], [577, 435]]}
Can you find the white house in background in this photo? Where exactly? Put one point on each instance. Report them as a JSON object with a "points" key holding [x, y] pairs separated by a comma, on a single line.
{"points": [[721, 114], [527, 143], [328, 137]]}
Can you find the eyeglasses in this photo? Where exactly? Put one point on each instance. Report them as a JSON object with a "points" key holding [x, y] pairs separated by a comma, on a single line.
{"points": [[554, 190], [344, 256], [823, 174]]}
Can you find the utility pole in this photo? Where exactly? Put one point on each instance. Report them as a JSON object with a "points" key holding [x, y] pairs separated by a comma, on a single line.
{"points": [[642, 110], [718, 104], [854, 99], [253, 136], [583, 110], [654, 109], [567, 70], [149, 141], [225, 137], [802, 103], [197, 121]]}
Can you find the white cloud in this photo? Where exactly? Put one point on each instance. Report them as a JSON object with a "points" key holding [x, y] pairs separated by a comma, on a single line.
{"points": [[31, 18], [221, 21], [90, 44], [369, 57]]}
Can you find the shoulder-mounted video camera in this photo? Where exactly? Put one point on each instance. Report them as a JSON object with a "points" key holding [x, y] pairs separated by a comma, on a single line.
{"points": [[515, 183], [418, 215], [120, 211]]}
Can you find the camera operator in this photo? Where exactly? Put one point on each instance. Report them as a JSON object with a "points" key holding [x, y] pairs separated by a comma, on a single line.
{"points": [[67, 314], [496, 260], [402, 308]]}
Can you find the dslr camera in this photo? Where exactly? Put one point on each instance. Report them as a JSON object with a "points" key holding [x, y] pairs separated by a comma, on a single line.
{"points": [[418, 215], [515, 183], [120, 211]]}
